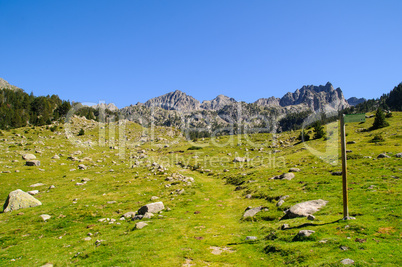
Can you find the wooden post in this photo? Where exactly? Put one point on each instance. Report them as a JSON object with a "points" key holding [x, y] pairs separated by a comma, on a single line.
{"points": [[344, 170]]}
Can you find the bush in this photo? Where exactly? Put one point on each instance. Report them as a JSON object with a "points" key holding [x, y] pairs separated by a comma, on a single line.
{"points": [[54, 128], [303, 136], [81, 132], [378, 138]]}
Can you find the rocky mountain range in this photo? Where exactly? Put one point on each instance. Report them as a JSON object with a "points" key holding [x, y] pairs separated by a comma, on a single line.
{"points": [[353, 101], [179, 109]]}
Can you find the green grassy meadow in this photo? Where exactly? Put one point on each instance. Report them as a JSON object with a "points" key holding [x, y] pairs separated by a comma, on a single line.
{"points": [[203, 226]]}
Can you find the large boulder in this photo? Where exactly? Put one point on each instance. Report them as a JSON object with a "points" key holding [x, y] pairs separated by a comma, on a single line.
{"points": [[305, 209], [28, 157], [19, 199], [152, 208]]}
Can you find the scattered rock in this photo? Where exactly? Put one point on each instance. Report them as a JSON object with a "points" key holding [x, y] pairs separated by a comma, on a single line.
{"points": [[251, 238], [399, 155], [285, 176], [382, 156], [28, 157], [140, 225], [111, 202], [294, 170], [45, 217], [239, 159], [248, 196], [251, 212], [280, 203], [311, 217], [154, 198], [148, 215], [152, 208], [305, 233], [304, 209], [87, 238], [32, 163], [82, 167], [19, 199], [347, 261], [56, 157], [285, 226], [33, 192], [52, 187]]}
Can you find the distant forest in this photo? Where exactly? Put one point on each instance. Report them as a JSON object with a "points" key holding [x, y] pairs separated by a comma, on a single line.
{"points": [[19, 109]]}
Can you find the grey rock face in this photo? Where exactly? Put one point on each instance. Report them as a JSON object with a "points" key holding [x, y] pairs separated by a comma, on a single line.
{"points": [[271, 102], [316, 97], [176, 100], [304, 209], [353, 101], [19, 199], [217, 103], [152, 208]]}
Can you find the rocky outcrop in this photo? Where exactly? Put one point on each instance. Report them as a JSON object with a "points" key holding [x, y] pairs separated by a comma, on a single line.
{"points": [[176, 100], [353, 101], [5, 85], [270, 102], [19, 199], [217, 103], [109, 106], [316, 97]]}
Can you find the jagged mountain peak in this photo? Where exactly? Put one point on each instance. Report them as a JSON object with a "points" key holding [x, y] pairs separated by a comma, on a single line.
{"points": [[217, 103], [176, 100]]}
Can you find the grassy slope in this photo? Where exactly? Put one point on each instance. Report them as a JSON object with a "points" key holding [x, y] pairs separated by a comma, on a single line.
{"points": [[182, 235]]}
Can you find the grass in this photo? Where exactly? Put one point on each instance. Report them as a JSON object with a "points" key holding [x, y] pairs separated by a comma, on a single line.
{"points": [[208, 214]]}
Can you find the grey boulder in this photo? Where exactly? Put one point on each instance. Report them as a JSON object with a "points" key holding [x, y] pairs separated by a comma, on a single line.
{"points": [[19, 199], [305, 209], [152, 208]]}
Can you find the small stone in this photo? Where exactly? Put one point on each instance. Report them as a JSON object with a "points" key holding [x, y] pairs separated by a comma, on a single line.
{"points": [[148, 215], [285, 226], [251, 238], [140, 225], [52, 187], [154, 198], [111, 202], [305, 233], [33, 192], [248, 196], [280, 203], [82, 167], [347, 261], [45, 217], [337, 173], [382, 156], [311, 217], [87, 238], [294, 170], [343, 248]]}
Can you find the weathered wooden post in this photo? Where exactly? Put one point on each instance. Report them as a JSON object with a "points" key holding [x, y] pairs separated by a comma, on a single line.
{"points": [[345, 119]]}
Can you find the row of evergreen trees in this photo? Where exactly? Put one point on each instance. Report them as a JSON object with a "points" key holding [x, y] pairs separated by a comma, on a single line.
{"points": [[18, 109]]}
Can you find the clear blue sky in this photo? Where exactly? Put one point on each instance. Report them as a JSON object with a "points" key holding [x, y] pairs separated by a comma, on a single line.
{"points": [[129, 51]]}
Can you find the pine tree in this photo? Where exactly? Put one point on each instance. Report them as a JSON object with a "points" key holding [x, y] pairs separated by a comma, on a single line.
{"points": [[379, 121], [81, 132], [319, 130]]}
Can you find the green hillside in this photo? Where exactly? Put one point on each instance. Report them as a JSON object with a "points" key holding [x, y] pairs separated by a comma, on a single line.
{"points": [[202, 225]]}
